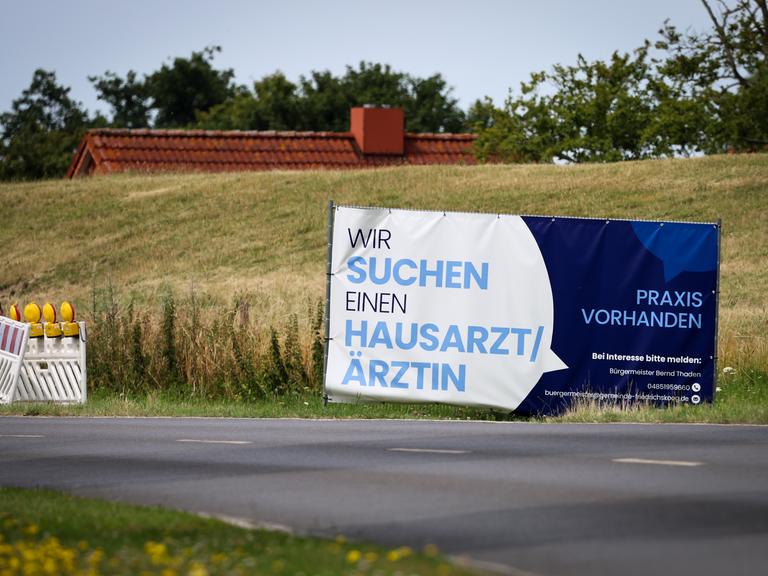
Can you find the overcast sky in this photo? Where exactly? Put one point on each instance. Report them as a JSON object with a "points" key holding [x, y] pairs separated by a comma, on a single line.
{"points": [[481, 47]]}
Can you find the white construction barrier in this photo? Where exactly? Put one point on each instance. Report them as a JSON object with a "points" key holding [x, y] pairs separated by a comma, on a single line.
{"points": [[53, 369], [13, 344]]}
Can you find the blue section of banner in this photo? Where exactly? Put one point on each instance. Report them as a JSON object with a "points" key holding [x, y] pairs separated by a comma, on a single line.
{"points": [[635, 309]]}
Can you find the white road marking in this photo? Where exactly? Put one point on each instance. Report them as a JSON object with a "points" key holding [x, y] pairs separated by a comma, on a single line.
{"points": [[688, 463], [21, 436], [428, 450], [214, 441]]}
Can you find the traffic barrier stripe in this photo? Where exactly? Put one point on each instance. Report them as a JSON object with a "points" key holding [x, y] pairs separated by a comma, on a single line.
{"points": [[13, 338]]}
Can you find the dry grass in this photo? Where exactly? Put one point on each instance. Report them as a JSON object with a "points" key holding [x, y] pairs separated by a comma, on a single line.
{"points": [[262, 235]]}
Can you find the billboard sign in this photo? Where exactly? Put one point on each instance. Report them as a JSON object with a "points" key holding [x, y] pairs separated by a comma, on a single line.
{"points": [[519, 313]]}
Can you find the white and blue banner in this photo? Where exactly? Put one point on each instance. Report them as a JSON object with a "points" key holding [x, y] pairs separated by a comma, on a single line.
{"points": [[521, 313]]}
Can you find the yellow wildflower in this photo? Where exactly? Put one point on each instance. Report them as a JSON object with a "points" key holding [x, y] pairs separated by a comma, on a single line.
{"points": [[398, 553], [353, 556], [157, 552], [26, 554], [197, 569], [96, 556]]}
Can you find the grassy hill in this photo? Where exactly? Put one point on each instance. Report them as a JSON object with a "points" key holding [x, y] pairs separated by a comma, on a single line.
{"points": [[260, 237]]}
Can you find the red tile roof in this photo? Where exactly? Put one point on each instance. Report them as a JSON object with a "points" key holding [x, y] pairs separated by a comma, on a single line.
{"points": [[117, 150]]}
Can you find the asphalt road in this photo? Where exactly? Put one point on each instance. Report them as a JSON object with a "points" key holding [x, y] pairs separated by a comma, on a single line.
{"points": [[540, 499]]}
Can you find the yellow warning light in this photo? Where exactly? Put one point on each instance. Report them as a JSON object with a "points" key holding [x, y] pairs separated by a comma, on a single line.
{"points": [[68, 324], [15, 313], [32, 313], [52, 329], [49, 312], [67, 311]]}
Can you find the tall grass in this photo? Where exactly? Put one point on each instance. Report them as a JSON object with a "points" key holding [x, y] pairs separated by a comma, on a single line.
{"points": [[186, 347]]}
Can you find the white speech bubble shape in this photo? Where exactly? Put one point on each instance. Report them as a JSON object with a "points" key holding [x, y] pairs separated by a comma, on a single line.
{"points": [[518, 296]]}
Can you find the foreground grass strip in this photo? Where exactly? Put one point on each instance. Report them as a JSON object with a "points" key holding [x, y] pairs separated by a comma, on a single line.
{"points": [[742, 398], [44, 532], [308, 405]]}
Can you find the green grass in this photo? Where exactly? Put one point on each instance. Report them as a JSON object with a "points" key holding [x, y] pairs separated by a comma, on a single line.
{"points": [[742, 399], [306, 405], [44, 532], [243, 253]]}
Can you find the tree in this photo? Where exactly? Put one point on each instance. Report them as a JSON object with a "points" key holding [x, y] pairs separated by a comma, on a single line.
{"points": [[722, 73], [431, 108], [176, 95], [273, 105], [427, 102], [593, 112], [278, 101], [703, 92], [189, 86], [128, 98], [240, 112], [480, 115], [321, 101], [746, 114], [324, 102], [42, 130]]}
